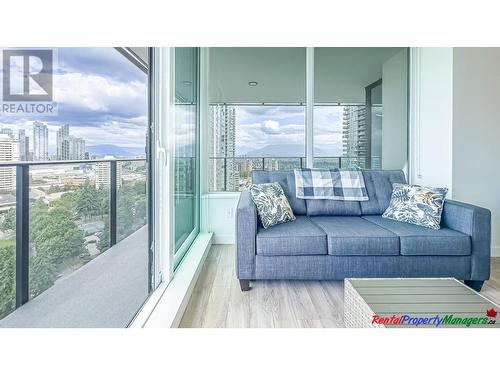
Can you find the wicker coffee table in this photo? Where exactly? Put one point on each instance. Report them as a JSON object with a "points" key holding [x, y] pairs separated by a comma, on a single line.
{"points": [[440, 302]]}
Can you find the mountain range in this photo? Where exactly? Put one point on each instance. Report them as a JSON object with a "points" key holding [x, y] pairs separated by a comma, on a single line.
{"points": [[288, 150]]}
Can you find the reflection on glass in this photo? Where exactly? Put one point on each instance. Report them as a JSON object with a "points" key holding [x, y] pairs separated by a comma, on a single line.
{"points": [[185, 152]]}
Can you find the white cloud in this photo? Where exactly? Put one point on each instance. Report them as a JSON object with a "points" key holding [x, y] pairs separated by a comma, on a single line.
{"points": [[98, 93]]}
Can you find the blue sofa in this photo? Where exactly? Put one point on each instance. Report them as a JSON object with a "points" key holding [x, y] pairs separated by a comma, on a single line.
{"points": [[333, 240]]}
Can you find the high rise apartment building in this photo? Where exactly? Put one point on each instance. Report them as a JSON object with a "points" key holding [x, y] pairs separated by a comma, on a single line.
{"points": [[354, 136], [67, 146], [9, 151], [224, 171], [24, 145], [103, 174], [40, 141]]}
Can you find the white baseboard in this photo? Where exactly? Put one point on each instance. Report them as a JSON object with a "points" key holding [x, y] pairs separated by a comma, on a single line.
{"points": [[495, 251], [224, 239], [166, 306]]}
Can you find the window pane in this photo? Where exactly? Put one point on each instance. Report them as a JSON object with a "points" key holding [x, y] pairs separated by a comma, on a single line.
{"points": [[360, 115], [79, 262], [186, 196], [257, 113]]}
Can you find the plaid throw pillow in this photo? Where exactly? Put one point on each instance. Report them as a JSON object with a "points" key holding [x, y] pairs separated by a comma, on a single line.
{"points": [[417, 205], [315, 183], [272, 204]]}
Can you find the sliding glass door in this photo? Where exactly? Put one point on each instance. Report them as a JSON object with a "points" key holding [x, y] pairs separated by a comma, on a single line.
{"points": [[185, 160]]}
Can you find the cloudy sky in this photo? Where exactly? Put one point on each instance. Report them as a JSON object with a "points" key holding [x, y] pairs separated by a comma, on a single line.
{"points": [[103, 97], [100, 94], [263, 126]]}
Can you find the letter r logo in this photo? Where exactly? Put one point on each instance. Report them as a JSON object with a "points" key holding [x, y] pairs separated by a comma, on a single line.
{"points": [[27, 75]]}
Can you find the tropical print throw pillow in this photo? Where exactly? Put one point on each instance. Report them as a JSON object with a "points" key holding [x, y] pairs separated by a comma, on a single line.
{"points": [[272, 205], [417, 205]]}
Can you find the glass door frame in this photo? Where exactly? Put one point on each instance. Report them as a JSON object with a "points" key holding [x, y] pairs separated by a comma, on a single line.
{"points": [[178, 256]]}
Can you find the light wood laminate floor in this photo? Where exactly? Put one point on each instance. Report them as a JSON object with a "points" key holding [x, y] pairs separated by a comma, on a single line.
{"points": [[217, 300]]}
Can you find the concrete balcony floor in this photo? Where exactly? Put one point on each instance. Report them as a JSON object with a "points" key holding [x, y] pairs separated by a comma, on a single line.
{"points": [[105, 292]]}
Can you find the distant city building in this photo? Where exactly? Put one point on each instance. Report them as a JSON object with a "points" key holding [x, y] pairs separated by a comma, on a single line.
{"points": [[62, 143], [354, 136], [225, 171], [24, 145], [67, 146], [77, 148], [9, 151], [7, 131], [40, 141], [103, 172]]}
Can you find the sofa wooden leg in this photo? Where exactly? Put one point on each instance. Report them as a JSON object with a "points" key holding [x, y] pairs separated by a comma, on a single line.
{"points": [[474, 284], [244, 285]]}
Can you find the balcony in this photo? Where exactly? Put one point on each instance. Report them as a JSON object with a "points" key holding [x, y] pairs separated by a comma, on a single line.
{"points": [[78, 255], [105, 292]]}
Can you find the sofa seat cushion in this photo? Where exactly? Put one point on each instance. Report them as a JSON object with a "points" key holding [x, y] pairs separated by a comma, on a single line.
{"points": [[417, 240], [298, 237], [348, 235]]}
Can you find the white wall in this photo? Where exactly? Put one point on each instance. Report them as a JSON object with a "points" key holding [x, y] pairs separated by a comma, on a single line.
{"points": [[431, 112], [221, 216], [455, 128], [394, 126], [476, 131]]}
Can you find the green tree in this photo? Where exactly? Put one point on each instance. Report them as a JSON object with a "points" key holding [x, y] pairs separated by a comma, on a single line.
{"points": [[67, 201], [54, 237], [9, 220], [7, 277], [125, 217], [43, 272], [103, 243]]}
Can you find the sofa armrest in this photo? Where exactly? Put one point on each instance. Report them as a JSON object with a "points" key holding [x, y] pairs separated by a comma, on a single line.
{"points": [[246, 232], [476, 222]]}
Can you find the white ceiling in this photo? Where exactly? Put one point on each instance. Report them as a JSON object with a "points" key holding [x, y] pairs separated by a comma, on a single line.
{"points": [[341, 74]]}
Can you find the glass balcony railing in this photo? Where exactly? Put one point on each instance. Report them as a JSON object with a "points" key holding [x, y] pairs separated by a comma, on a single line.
{"points": [[234, 173], [58, 216]]}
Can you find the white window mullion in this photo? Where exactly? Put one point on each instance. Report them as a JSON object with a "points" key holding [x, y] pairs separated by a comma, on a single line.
{"points": [[309, 106]]}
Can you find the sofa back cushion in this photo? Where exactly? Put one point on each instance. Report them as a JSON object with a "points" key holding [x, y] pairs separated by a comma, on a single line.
{"points": [[379, 187], [287, 181], [378, 184], [328, 207]]}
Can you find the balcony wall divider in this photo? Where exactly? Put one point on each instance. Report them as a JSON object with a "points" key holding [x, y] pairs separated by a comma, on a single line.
{"points": [[22, 234]]}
